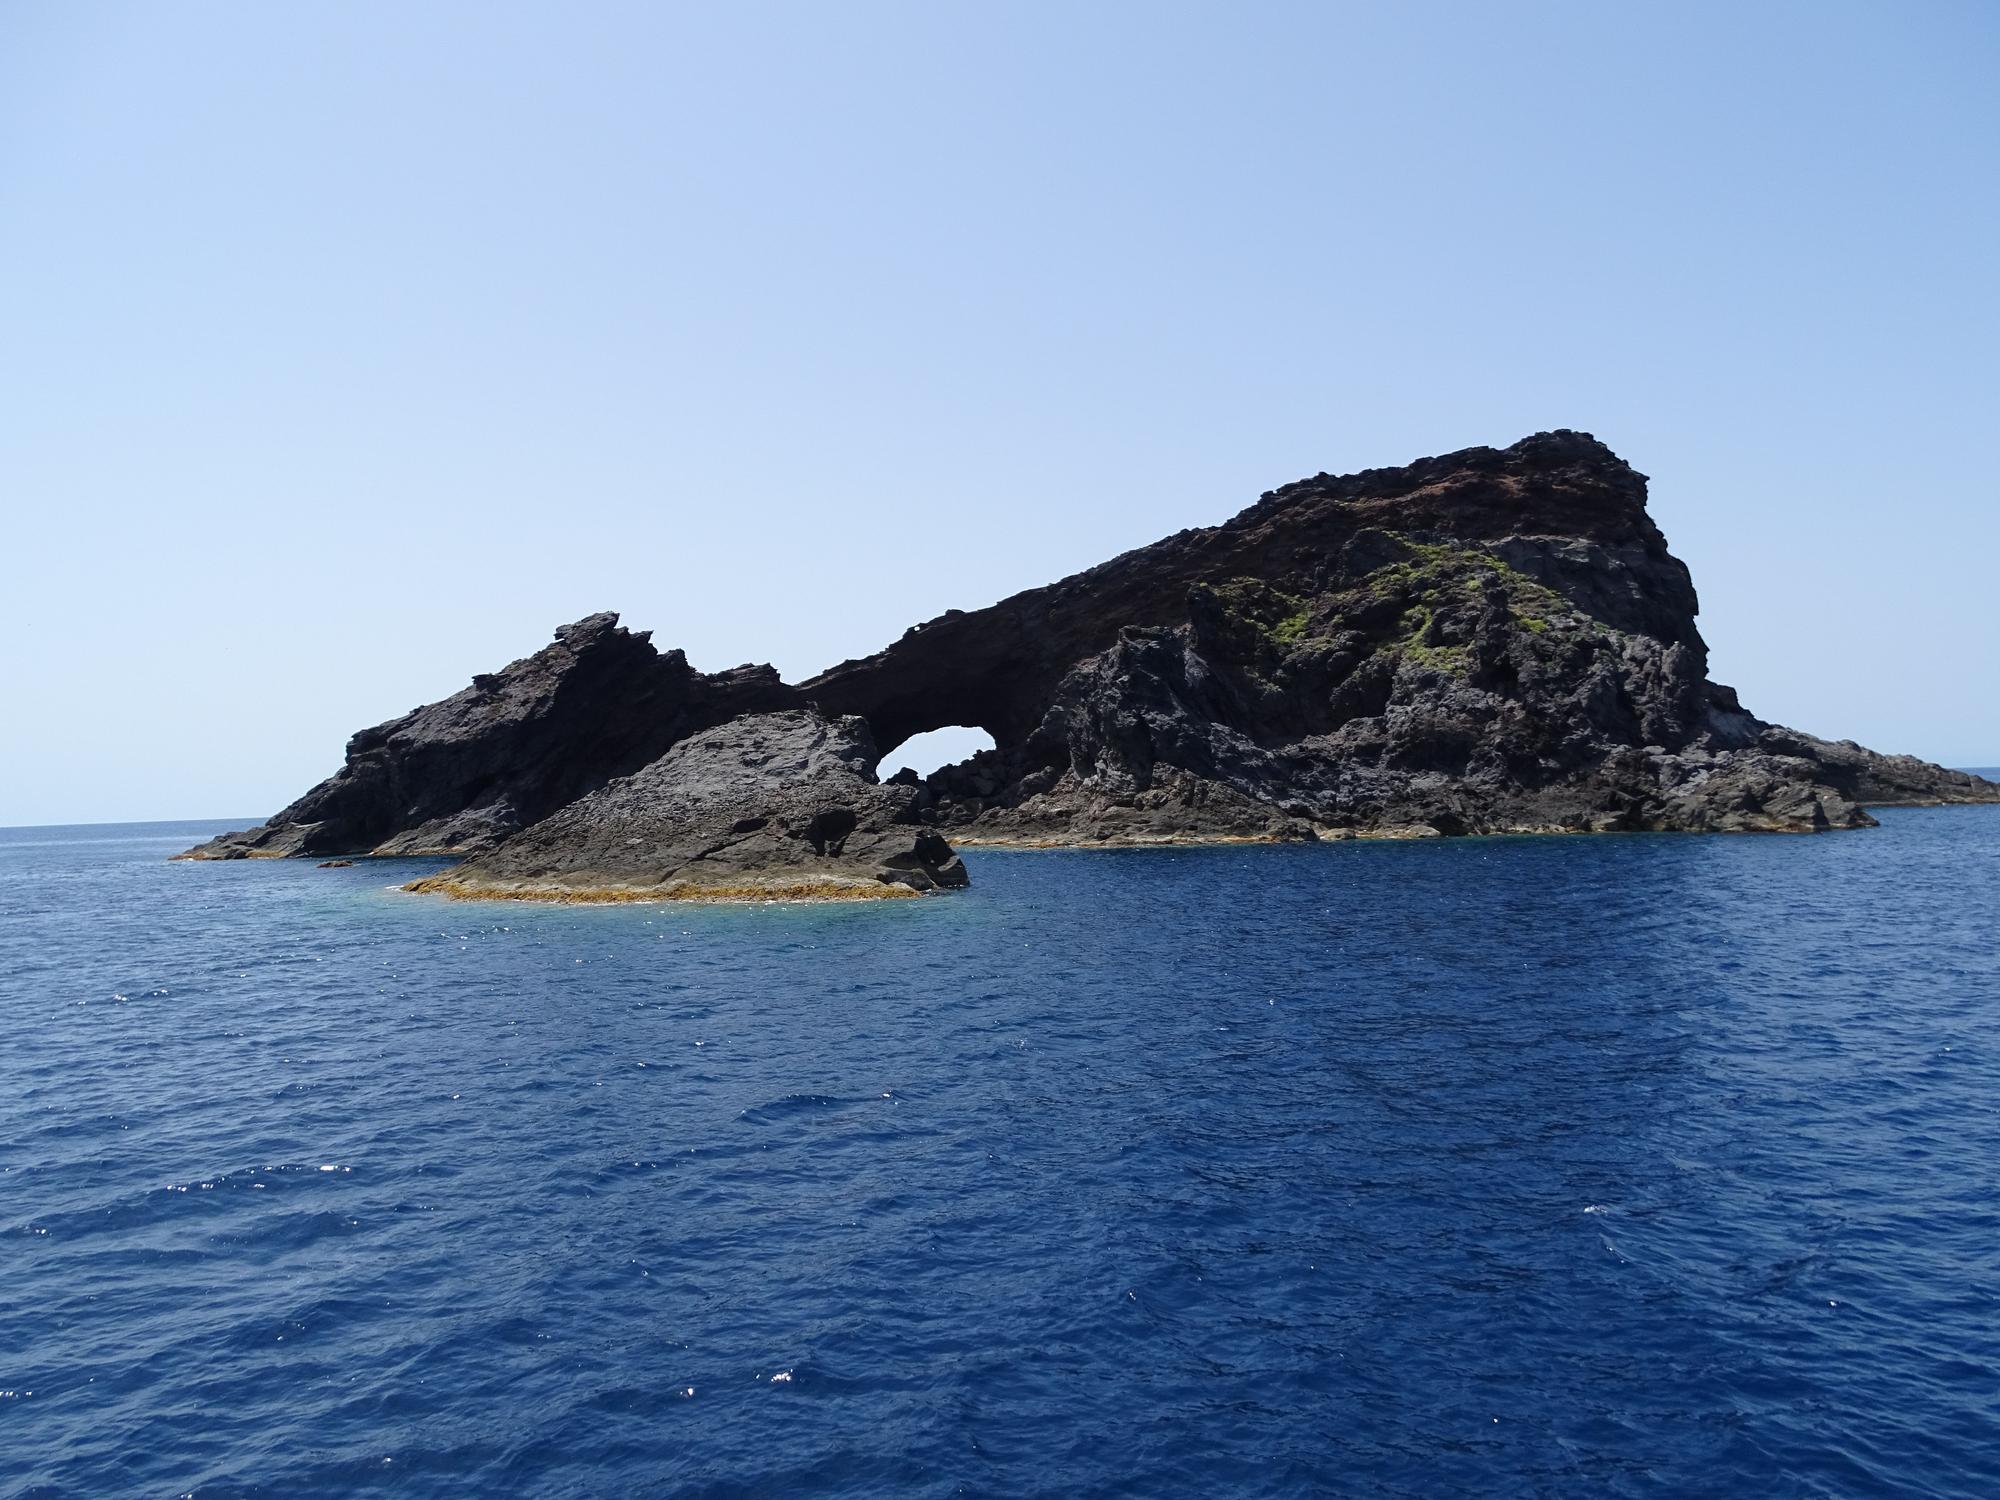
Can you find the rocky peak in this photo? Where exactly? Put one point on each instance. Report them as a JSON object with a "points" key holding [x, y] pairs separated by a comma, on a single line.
{"points": [[998, 667], [463, 773]]}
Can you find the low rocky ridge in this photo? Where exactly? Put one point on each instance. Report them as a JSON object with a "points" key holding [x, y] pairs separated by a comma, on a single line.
{"points": [[781, 806], [1491, 641], [459, 776]]}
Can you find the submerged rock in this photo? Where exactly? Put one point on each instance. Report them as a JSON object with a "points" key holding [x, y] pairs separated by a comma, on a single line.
{"points": [[781, 806]]}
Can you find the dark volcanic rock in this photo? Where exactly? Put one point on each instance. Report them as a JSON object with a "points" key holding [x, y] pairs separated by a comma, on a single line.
{"points": [[1491, 641], [999, 668], [1495, 640], [769, 806], [1879, 780], [460, 775]]}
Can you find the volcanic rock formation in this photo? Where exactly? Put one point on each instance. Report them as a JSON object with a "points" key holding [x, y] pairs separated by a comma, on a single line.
{"points": [[1496, 640], [458, 776], [1493, 641], [767, 806]]}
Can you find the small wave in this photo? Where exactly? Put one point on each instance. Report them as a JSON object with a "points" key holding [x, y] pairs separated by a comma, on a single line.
{"points": [[792, 1106]]}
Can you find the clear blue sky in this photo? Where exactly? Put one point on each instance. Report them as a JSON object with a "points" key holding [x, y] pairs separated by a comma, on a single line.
{"points": [[351, 348]]}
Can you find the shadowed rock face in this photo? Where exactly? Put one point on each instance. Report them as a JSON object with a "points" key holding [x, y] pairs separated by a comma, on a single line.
{"points": [[460, 775], [1494, 640], [781, 805]]}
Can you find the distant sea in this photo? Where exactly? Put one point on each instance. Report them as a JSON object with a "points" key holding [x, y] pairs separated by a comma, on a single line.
{"points": [[1608, 1166]]}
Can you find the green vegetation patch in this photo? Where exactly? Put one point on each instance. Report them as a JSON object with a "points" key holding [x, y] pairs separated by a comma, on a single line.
{"points": [[1270, 612], [1411, 646], [1435, 570], [1454, 661], [1439, 578]]}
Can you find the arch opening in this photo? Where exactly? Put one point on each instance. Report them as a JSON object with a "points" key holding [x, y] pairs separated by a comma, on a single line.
{"points": [[934, 749]]}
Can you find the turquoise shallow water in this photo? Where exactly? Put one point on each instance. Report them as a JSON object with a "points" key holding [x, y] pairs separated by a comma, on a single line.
{"points": [[1609, 1166]]}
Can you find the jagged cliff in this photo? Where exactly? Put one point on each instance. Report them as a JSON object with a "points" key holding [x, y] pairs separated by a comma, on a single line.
{"points": [[1495, 640]]}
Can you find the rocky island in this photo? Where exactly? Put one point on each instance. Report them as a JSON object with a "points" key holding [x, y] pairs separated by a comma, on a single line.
{"points": [[1491, 641]]}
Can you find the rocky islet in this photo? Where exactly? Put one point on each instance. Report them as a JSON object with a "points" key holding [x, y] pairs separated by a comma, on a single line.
{"points": [[1490, 641]]}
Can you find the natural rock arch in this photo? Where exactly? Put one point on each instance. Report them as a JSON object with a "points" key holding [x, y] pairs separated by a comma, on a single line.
{"points": [[934, 749]]}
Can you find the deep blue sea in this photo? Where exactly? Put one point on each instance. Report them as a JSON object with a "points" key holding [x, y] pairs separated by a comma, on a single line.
{"points": [[1604, 1166]]}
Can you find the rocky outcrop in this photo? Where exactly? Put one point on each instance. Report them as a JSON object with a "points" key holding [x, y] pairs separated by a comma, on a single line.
{"points": [[1876, 780], [1491, 641], [780, 806], [460, 775]]}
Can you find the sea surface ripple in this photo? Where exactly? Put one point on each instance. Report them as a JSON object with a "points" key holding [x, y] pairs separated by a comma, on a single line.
{"points": [[1609, 1166]]}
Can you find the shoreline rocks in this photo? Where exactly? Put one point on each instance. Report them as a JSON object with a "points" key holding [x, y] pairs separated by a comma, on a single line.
{"points": [[767, 807]]}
